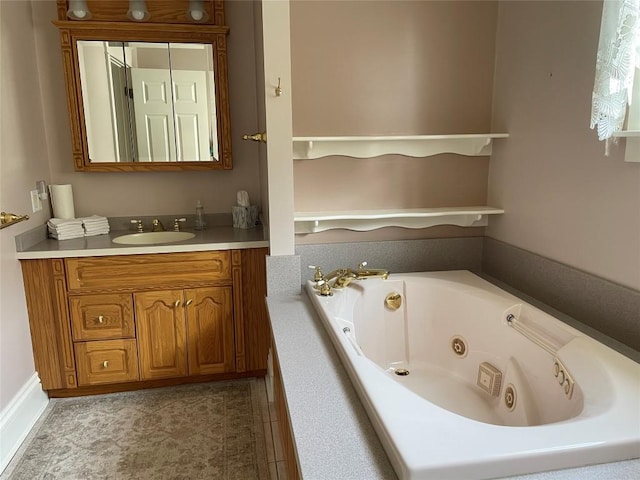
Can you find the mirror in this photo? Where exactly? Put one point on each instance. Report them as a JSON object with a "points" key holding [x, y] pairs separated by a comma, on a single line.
{"points": [[147, 99]]}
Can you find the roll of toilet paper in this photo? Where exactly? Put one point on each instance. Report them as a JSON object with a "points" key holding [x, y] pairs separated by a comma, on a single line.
{"points": [[62, 201]]}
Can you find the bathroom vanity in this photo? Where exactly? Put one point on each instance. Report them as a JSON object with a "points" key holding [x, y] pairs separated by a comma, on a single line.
{"points": [[118, 318]]}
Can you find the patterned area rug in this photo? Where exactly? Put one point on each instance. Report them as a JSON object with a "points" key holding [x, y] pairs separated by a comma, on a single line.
{"points": [[211, 430]]}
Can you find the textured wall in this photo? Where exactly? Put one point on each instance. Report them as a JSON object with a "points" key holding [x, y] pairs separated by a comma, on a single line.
{"points": [[23, 160], [391, 68], [563, 198]]}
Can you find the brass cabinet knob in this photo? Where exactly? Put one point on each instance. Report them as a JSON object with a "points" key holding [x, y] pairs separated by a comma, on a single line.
{"points": [[105, 364], [100, 319], [189, 302], [176, 304]]}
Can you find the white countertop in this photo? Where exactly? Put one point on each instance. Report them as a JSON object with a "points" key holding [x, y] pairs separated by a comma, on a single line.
{"points": [[214, 238], [333, 435]]}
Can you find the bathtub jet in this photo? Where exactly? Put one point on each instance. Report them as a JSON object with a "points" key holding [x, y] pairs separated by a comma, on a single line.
{"points": [[464, 380]]}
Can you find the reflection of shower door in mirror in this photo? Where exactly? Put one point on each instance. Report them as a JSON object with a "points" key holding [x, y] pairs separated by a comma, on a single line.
{"points": [[160, 121]]}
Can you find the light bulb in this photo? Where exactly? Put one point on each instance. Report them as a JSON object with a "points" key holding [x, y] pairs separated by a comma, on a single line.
{"points": [[78, 10], [196, 11], [138, 11]]}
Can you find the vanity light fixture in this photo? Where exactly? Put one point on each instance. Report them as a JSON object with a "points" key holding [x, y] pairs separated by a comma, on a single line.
{"points": [[138, 11], [78, 10], [197, 11]]}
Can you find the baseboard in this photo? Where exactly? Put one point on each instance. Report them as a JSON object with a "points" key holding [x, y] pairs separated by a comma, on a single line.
{"points": [[19, 417]]}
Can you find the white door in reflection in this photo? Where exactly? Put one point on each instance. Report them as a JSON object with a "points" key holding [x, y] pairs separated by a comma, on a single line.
{"points": [[191, 115], [171, 112], [154, 114]]}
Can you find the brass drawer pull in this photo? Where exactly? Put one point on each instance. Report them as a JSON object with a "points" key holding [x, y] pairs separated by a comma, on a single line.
{"points": [[100, 319], [176, 304], [105, 364], [189, 302]]}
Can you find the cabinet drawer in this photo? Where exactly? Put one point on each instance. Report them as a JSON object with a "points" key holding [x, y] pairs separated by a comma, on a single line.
{"points": [[107, 361], [129, 272], [100, 317]]}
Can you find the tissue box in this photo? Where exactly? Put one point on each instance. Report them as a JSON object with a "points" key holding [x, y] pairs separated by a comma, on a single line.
{"points": [[245, 217]]}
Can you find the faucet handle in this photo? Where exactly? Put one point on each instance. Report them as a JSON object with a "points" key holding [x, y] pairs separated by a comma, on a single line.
{"points": [[176, 223], [318, 275], [325, 288], [139, 223], [362, 265]]}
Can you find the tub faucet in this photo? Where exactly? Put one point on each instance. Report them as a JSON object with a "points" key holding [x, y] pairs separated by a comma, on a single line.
{"points": [[342, 277]]}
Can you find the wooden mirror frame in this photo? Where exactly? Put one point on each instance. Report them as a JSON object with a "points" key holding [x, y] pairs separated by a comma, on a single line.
{"points": [[216, 35]]}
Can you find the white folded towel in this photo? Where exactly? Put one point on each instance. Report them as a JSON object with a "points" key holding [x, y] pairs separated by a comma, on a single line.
{"points": [[94, 219], [91, 234], [66, 236], [62, 229], [56, 223], [95, 225]]}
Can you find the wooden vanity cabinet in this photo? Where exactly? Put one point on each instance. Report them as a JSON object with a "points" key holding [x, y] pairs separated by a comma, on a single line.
{"points": [[101, 321]]}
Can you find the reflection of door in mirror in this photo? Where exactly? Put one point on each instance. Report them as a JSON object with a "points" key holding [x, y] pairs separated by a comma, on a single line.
{"points": [[148, 102], [124, 131]]}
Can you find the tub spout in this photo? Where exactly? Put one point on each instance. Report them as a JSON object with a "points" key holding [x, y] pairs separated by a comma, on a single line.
{"points": [[342, 277], [364, 273]]}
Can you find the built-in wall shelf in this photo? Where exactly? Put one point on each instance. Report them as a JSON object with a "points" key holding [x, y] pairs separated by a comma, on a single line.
{"points": [[412, 145], [365, 220], [627, 133], [632, 147]]}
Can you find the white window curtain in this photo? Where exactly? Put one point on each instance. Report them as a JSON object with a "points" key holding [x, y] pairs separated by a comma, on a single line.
{"points": [[617, 60]]}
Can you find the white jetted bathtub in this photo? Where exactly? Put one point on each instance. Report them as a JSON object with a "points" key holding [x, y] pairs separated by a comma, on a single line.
{"points": [[464, 380]]}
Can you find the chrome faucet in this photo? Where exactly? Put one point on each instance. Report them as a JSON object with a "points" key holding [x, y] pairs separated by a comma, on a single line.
{"points": [[342, 277], [177, 222], [139, 226], [157, 226]]}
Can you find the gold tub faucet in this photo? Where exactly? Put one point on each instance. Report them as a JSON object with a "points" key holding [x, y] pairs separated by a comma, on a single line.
{"points": [[342, 277]]}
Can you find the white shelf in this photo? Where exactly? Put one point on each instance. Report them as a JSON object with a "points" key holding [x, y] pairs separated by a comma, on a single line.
{"points": [[411, 145], [627, 133], [632, 148], [365, 220]]}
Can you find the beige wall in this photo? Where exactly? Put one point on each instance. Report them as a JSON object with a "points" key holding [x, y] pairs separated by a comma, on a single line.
{"points": [[23, 160], [385, 68], [151, 193], [563, 198]]}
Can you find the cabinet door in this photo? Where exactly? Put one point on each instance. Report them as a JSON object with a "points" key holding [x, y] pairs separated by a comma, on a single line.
{"points": [[210, 330], [161, 333]]}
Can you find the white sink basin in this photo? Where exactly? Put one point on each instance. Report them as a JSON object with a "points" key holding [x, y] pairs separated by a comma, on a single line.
{"points": [[149, 238]]}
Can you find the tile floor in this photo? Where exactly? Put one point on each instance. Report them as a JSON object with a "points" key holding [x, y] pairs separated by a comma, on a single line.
{"points": [[275, 458]]}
